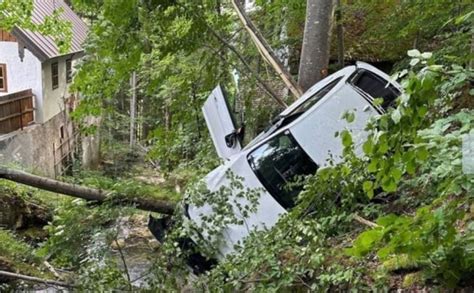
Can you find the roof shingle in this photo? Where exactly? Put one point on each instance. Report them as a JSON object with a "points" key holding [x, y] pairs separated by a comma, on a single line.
{"points": [[44, 47]]}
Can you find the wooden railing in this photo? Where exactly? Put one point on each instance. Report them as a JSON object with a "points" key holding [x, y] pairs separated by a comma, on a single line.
{"points": [[64, 153], [16, 111]]}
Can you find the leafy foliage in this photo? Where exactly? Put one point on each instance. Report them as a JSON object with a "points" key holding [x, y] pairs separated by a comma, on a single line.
{"points": [[17, 13]]}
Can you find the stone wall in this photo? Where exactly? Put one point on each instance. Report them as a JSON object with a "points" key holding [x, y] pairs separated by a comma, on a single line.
{"points": [[33, 147]]}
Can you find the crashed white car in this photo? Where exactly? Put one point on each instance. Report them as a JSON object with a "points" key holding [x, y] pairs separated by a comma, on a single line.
{"points": [[299, 141]]}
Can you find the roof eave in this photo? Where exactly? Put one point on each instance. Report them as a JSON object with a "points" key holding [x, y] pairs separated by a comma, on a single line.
{"points": [[24, 40]]}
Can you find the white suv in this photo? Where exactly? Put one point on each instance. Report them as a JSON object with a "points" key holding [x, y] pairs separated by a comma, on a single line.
{"points": [[299, 141]]}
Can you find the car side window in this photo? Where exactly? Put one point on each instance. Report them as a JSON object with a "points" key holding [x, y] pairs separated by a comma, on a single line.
{"points": [[278, 164], [376, 87]]}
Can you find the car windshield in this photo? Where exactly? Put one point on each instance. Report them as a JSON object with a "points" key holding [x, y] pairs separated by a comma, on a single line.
{"points": [[314, 98], [281, 121], [279, 164]]}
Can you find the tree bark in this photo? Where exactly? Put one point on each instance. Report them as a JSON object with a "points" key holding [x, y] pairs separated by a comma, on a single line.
{"points": [[133, 108], [87, 193], [340, 35], [316, 42]]}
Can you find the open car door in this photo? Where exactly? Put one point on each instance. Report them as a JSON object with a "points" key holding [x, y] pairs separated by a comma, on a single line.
{"points": [[221, 124]]}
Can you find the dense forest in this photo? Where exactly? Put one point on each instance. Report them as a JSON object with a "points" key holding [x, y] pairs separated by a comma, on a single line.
{"points": [[400, 216]]}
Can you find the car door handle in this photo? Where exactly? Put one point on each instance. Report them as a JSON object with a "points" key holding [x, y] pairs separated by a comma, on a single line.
{"points": [[366, 108]]}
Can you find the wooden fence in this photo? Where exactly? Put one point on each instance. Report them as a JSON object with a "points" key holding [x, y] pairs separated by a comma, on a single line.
{"points": [[16, 111]]}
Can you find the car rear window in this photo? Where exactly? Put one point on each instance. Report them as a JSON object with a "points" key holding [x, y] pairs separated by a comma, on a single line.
{"points": [[376, 87], [278, 164]]}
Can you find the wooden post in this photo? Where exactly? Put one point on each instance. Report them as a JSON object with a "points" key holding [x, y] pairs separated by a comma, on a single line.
{"points": [[21, 114]]}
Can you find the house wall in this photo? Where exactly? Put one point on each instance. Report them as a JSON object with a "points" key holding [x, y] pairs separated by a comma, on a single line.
{"points": [[22, 75], [54, 99], [33, 147]]}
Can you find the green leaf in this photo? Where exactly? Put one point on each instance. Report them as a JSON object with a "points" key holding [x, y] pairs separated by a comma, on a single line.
{"points": [[411, 167], [413, 53], [396, 116], [414, 61], [378, 101], [396, 174], [368, 147], [368, 187], [349, 116], [365, 242], [422, 154], [389, 184], [372, 167], [346, 138], [426, 55]]}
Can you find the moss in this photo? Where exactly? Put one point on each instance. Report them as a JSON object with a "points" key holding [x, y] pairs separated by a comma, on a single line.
{"points": [[400, 262], [17, 256], [412, 279]]}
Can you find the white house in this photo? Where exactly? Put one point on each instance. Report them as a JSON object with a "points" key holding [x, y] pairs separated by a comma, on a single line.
{"points": [[35, 131]]}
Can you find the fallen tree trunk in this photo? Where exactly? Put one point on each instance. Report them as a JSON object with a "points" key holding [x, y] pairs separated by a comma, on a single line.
{"points": [[87, 193], [35, 279]]}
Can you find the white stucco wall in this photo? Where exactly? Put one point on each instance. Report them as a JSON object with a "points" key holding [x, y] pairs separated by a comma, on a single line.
{"points": [[22, 75], [53, 101]]}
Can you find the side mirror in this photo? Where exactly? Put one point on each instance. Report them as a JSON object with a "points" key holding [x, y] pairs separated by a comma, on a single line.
{"points": [[235, 136]]}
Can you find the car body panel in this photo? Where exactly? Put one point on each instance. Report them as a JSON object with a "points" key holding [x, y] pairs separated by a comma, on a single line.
{"points": [[320, 145]]}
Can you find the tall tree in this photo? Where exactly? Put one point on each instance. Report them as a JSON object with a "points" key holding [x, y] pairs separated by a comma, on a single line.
{"points": [[316, 42]]}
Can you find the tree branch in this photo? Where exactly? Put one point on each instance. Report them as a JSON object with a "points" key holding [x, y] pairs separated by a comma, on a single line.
{"points": [[361, 220], [263, 85]]}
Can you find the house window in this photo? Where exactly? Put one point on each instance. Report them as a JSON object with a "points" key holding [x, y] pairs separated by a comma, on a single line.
{"points": [[55, 75], [68, 70], [3, 78]]}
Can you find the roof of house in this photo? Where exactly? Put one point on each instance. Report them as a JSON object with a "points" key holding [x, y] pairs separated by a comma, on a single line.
{"points": [[44, 47]]}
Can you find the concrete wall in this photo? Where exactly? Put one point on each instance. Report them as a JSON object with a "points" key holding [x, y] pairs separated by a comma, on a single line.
{"points": [[22, 75], [32, 147]]}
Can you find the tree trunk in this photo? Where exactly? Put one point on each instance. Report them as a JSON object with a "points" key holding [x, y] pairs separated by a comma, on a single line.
{"points": [[340, 35], [316, 42], [35, 279], [133, 108], [86, 193]]}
